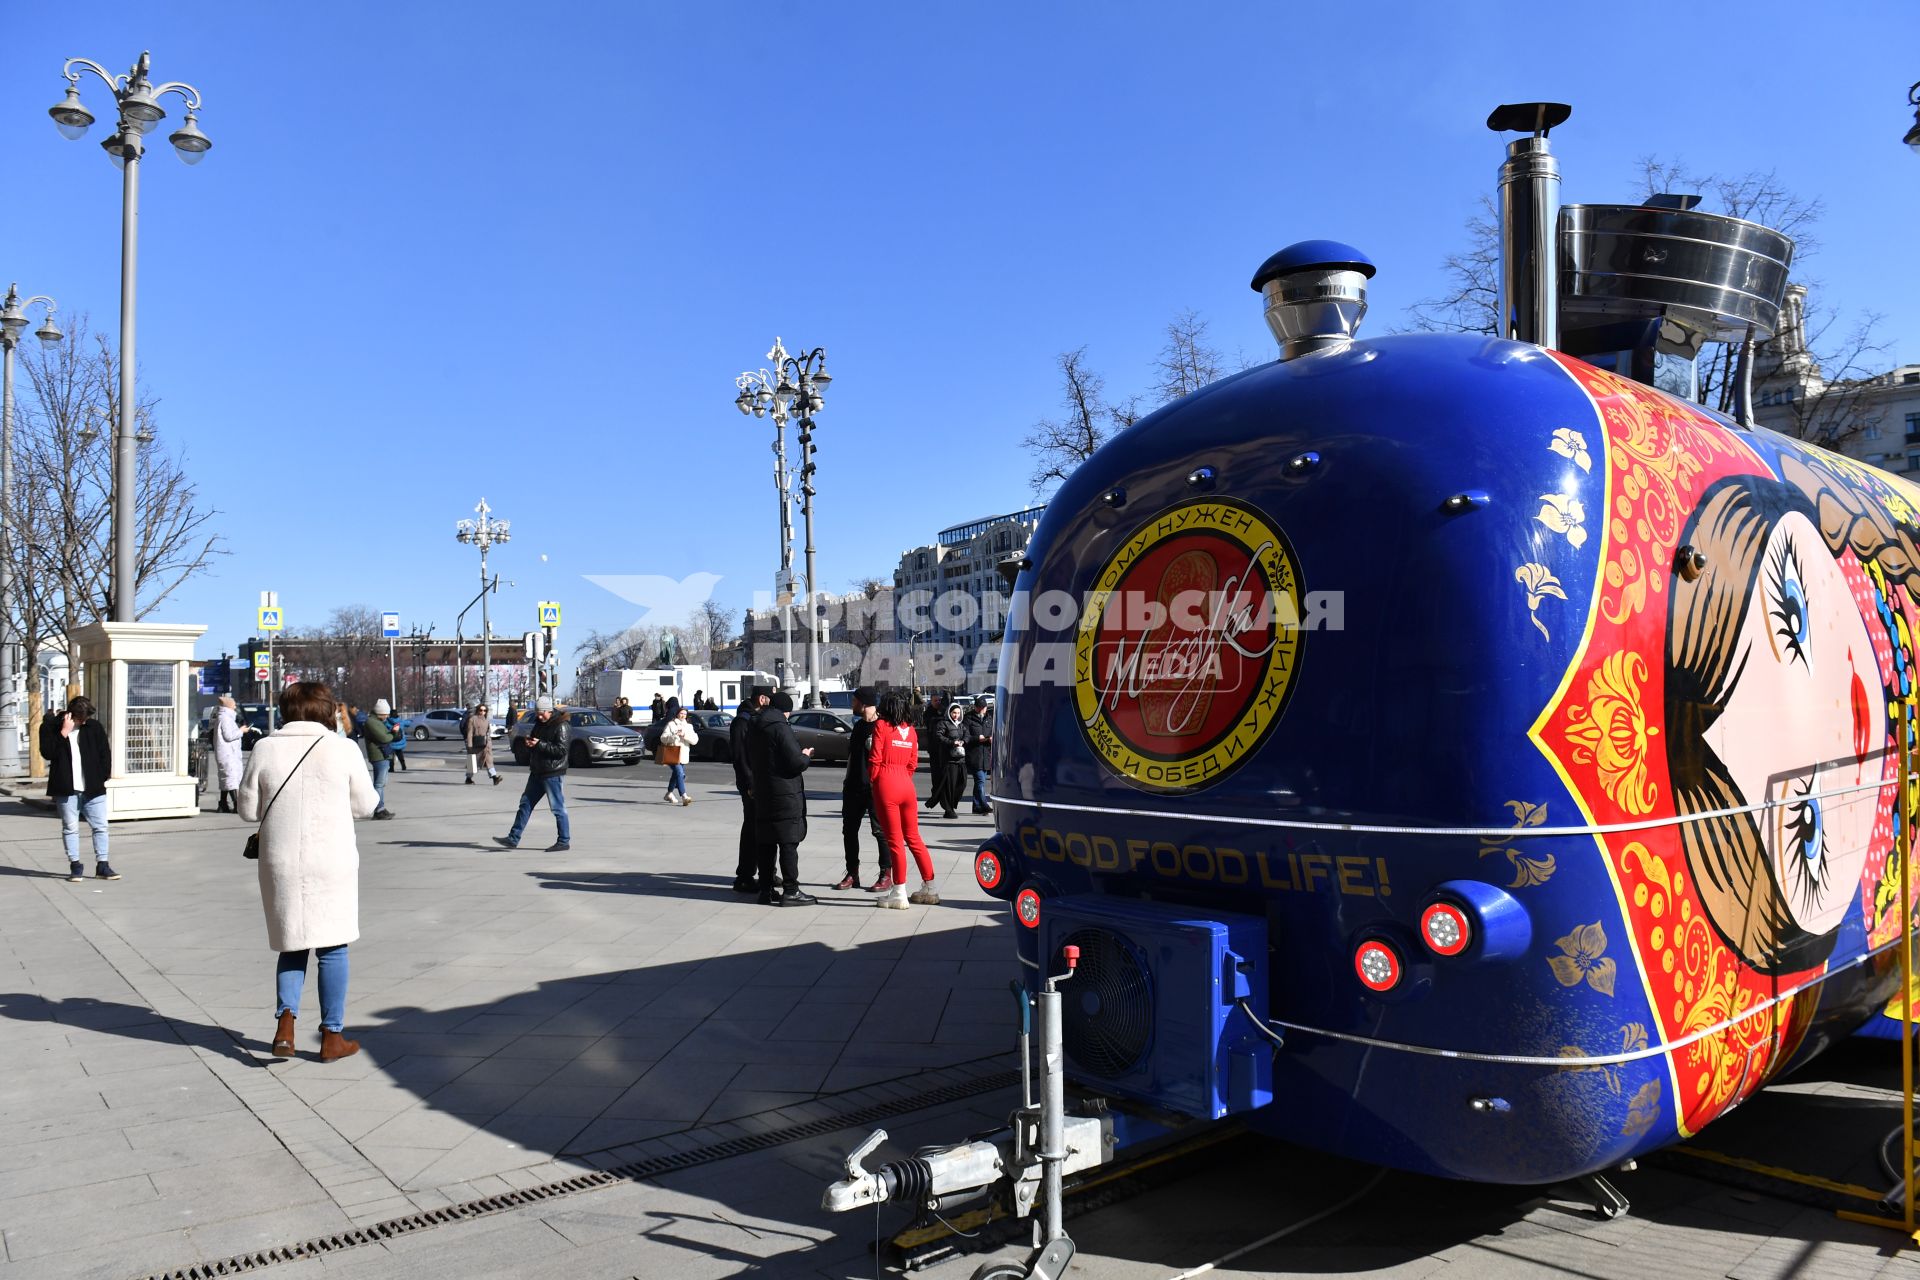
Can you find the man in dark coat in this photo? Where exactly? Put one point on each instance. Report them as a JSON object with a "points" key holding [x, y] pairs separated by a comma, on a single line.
{"points": [[856, 792], [979, 740], [746, 870], [548, 743], [779, 768], [79, 761]]}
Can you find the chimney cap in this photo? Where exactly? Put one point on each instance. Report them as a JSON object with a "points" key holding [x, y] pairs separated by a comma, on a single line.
{"points": [[1528, 117], [1312, 255]]}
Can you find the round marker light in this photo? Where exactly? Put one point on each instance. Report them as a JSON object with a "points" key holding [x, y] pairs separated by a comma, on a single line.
{"points": [[1378, 965], [1445, 929], [1027, 908], [987, 869]]}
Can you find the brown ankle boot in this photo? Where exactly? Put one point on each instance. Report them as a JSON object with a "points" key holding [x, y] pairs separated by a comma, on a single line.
{"points": [[334, 1046], [283, 1037]]}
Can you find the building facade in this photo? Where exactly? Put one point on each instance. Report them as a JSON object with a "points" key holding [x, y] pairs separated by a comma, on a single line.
{"points": [[1875, 419], [952, 601]]}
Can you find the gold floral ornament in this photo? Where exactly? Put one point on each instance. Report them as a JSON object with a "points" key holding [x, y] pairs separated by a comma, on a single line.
{"points": [[1539, 582], [1583, 958], [1564, 513], [1526, 870], [1633, 1038], [1643, 1110], [1611, 733], [1569, 443]]}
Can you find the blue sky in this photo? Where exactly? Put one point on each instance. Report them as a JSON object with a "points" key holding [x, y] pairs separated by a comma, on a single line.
{"points": [[443, 250]]}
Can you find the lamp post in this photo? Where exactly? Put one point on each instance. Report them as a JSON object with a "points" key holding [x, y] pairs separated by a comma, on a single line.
{"points": [[483, 533], [13, 321], [800, 393], [138, 99]]}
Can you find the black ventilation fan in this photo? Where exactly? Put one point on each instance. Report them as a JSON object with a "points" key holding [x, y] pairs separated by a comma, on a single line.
{"points": [[1107, 1008]]}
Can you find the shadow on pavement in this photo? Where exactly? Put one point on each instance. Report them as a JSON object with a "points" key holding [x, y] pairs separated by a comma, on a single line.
{"points": [[134, 1022], [717, 889]]}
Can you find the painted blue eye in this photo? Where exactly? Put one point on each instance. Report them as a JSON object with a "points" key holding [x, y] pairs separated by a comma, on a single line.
{"points": [[1787, 603], [1794, 605], [1811, 833]]}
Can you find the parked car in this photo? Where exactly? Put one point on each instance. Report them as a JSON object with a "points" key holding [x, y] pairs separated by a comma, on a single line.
{"points": [[827, 732], [439, 722], [596, 739], [714, 728]]}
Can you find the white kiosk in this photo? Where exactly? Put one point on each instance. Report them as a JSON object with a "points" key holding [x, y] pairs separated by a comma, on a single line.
{"points": [[139, 676]]}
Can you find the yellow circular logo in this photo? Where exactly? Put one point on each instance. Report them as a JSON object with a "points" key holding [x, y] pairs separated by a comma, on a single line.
{"points": [[1186, 652]]}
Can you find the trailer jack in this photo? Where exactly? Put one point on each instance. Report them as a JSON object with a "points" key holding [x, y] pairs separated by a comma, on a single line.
{"points": [[1039, 1147]]}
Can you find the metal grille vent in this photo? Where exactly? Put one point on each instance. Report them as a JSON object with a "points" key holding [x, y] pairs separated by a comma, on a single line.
{"points": [[651, 1167], [1108, 1007]]}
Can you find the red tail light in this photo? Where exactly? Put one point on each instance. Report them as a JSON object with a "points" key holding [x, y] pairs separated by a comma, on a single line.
{"points": [[1445, 929], [987, 869], [1378, 965], [1026, 908]]}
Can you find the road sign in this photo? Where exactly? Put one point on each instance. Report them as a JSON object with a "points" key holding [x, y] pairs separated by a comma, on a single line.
{"points": [[389, 624], [238, 664], [549, 613], [270, 618], [262, 664]]}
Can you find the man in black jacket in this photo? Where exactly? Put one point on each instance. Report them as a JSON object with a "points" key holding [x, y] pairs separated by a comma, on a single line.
{"points": [[79, 761], [746, 869], [856, 792], [779, 768], [978, 732], [548, 741]]}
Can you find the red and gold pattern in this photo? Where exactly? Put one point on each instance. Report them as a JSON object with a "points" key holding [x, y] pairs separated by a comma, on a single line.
{"points": [[1601, 732]]}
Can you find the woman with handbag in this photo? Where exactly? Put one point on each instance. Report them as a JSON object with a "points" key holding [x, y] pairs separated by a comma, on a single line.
{"points": [[305, 788], [676, 748]]}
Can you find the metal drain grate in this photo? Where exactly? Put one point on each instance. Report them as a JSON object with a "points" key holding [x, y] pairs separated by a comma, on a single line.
{"points": [[651, 1167]]}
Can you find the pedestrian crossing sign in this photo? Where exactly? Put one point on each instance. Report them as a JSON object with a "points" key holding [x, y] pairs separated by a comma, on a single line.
{"points": [[261, 669], [549, 613], [270, 619]]}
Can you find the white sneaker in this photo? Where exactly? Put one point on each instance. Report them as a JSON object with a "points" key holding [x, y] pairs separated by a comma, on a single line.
{"points": [[927, 895], [895, 898]]}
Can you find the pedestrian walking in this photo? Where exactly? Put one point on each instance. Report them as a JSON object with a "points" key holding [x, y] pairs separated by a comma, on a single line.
{"points": [[891, 760], [677, 741], [746, 868], [779, 766], [305, 789], [79, 762], [548, 741], [979, 735], [657, 713], [947, 760], [476, 730], [230, 761], [929, 725], [379, 744], [395, 722], [622, 711], [856, 794]]}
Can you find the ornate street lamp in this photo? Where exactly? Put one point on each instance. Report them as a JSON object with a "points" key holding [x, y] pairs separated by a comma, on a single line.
{"points": [[13, 322], [800, 392], [1913, 135], [138, 100], [484, 533]]}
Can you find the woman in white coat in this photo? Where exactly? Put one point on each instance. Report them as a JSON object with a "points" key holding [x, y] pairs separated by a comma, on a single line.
{"points": [[227, 758], [306, 787], [680, 734]]}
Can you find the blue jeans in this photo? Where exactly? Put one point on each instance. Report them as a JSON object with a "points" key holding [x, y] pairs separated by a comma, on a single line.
{"points": [[677, 778], [72, 808], [291, 975], [980, 789], [380, 768], [556, 801]]}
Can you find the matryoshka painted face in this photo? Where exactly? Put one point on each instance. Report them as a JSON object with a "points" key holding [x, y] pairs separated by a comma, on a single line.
{"points": [[1806, 715]]}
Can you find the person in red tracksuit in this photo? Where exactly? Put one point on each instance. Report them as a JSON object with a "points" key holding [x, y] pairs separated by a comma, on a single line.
{"points": [[891, 760]]}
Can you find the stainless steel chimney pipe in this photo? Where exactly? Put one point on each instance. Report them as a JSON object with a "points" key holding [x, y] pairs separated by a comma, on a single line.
{"points": [[1530, 224]]}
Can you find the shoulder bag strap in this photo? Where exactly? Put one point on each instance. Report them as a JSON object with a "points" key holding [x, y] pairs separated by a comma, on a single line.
{"points": [[284, 781]]}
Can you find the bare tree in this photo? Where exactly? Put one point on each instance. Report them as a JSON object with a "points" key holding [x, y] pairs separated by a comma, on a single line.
{"points": [[1188, 361], [1470, 302], [710, 628], [62, 543], [1059, 445]]}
